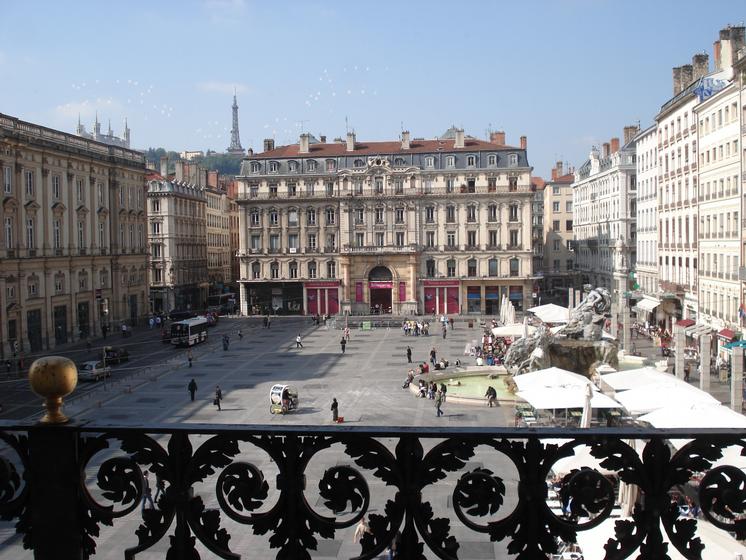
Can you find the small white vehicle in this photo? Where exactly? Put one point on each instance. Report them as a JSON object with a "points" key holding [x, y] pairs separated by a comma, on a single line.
{"points": [[93, 371], [282, 398]]}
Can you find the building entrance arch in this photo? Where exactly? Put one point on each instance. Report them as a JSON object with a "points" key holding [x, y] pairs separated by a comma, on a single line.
{"points": [[380, 285]]}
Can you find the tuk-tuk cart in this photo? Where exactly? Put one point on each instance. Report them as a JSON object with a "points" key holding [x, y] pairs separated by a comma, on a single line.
{"points": [[282, 398]]}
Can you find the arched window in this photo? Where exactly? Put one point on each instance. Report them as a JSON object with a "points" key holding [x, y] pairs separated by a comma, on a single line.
{"points": [[274, 217], [312, 165], [256, 270], [492, 213], [514, 266], [256, 167], [293, 269], [358, 163], [399, 162], [451, 161], [429, 161], [311, 217], [312, 269], [274, 166], [293, 166], [274, 270], [492, 160], [471, 161], [331, 165], [513, 160], [492, 265]]}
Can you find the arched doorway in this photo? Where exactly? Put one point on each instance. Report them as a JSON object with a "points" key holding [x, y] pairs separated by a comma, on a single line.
{"points": [[380, 284]]}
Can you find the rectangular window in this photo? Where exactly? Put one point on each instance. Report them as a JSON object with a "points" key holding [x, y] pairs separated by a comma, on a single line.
{"points": [[429, 214], [451, 268], [312, 270], [450, 214], [292, 189], [400, 238], [514, 237], [451, 238], [430, 238], [493, 238], [399, 215], [331, 269], [156, 251], [256, 242], [331, 242], [9, 233], [293, 241], [360, 239], [568, 225], [380, 239], [80, 190], [312, 241], [56, 187], [555, 225], [29, 176], [57, 234], [555, 206], [568, 206], [100, 194], [101, 235], [274, 242], [471, 237], [30, 237], [330, 189], [7, 180]]}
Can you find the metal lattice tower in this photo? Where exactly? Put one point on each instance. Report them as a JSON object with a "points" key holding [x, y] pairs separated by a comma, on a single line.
{"points": [[235, 138]]}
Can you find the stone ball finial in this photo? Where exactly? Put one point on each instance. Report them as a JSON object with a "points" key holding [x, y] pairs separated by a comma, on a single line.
{"points": [[53, 377]]}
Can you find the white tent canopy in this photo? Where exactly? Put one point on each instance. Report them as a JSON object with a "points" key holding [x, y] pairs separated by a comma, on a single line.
{"points": [[554, 398], [551, 313], [516, 329], [632, 378], [647, 398], [697, 415], [550, 377]]}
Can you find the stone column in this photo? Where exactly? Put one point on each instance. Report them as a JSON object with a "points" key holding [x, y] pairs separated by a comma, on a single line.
{"points": [[570, 298], [736, 380], [679, 345], [578, 297], [626, 327], [705, 354], [615, 319]]}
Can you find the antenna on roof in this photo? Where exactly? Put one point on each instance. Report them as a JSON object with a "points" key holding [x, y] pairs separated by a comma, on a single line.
{"points": [[302, 124], [347, 125]]}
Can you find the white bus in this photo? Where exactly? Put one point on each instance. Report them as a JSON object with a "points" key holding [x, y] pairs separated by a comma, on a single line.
{"points": [[189, 332]]}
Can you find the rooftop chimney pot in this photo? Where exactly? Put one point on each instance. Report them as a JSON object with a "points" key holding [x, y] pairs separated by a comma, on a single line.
{"points": [[524, 142], [350, 141], [303, 145], [498, 138], [459, 140], [614, 145]]}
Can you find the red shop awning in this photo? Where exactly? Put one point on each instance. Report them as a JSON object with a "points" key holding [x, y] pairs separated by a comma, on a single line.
{"points": [[727, 334], [685, 323]]}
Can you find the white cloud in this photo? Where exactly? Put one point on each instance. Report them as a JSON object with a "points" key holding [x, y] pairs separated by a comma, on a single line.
{"points": [[226, 88]]}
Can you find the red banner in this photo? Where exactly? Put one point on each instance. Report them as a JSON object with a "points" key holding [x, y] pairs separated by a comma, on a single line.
{"points": [[402, 291], [358, 292], [328, 284], [441, 283], [380, 285]]}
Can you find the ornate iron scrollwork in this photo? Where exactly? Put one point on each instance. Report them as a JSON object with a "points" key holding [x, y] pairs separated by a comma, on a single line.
{"points": [[14, 488]]}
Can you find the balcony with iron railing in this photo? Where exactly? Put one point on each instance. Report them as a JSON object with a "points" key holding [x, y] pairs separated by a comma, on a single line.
{"points": [[385, 249]]}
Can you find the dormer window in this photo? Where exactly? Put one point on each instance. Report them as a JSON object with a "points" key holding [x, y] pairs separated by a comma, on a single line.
{"points": [[358, 163], [492, 160], [331, 165], [513, 160], [471, 161], [256, 167], [399, 162], [451, 161], [293, 166], [312, 165], [430, 161], [274, 167]]}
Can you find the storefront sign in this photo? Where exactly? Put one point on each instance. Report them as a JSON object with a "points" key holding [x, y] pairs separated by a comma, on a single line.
{"points": [[328, 284], [380, 285], [441, 283]]}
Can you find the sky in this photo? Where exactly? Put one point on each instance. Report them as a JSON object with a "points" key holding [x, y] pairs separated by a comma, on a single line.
{"points": [[568, 74]]}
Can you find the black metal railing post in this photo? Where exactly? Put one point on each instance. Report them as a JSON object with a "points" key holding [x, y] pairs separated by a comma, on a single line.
{"points": [[55, 494]]}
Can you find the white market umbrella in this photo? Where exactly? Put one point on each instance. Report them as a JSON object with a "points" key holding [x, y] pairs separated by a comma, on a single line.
{"points": [[515, 329], [647, 398], [551, 313], [697, 415], [543, 398], [585, 420], [550, 377], [633, 378]]}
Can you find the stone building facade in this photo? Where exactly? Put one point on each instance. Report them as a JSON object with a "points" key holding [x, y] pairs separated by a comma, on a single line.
{"points": [[73, 257], [177, 233], [604, 211], [218, 238], [557, 237], [404, 227]]}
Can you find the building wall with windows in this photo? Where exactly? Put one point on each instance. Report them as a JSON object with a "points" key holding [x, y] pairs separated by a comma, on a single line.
{"points": [[718, 147], [72, 258], [557, 236], [177, 234], [218, 238], [412, 226], [646, 272], [604, 211]]}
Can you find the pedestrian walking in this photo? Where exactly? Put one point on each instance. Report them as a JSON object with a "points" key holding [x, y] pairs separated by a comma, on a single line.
{"points": [[335, 410], [160, 487], [438, 404], [190, 357], [151, 323], [265, 321], [433, 356], [361, 529], [450, 321], [269, 322], [343, 344], [192, 388], [443, 390], [409, 355], [298, 343], [226, 342], [218, 397], [445, 330], [147, 493], [347, 333]]}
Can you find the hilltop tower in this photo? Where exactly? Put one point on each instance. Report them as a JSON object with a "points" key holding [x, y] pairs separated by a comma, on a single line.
{"points": [[235, 147]]}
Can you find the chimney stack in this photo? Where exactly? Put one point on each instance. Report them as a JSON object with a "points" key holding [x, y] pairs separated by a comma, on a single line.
{"points": [[687, 75], [405, 140], [497, 138], [322, 139], [676, 80], [558, 169], [605, 151], [701, 64], [614, 145], [179, 169], [524, 142], [629, 133], [269, 144], [164, 167], [459, 140], [726, 49], [303, 146], [351, 141]]}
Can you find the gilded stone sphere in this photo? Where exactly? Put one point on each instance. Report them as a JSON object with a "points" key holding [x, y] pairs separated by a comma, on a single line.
{"points": [[53, 377]]}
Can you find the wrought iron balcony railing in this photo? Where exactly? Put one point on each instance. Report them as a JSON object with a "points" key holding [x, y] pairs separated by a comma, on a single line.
{"points": [[61, 483]]}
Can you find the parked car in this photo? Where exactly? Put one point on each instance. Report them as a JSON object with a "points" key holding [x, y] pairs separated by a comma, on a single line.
{"points": [[116, 355], [93, 371]]}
